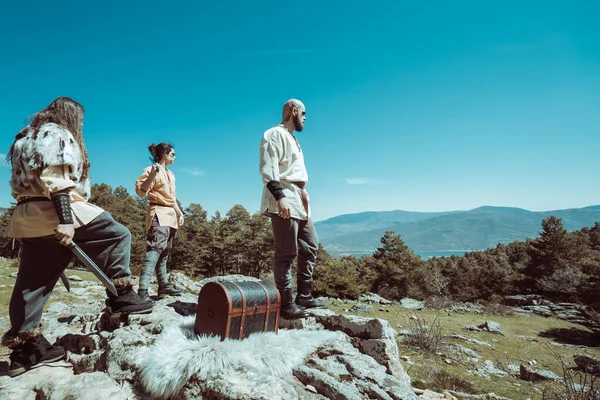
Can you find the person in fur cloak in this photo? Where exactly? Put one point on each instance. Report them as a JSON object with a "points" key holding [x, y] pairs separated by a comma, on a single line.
{"points": [[50, 181], [163, 217]]}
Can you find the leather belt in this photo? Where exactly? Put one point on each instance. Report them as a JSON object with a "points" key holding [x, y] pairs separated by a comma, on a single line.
{"points": [[31, 199], [162, 205]]}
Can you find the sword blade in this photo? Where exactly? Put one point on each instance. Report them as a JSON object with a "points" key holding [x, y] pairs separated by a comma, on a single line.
{"points": [[65, 281], [91, 265]]}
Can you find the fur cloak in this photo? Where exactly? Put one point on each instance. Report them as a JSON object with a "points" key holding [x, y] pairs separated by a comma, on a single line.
{"points": [[49, 146]]}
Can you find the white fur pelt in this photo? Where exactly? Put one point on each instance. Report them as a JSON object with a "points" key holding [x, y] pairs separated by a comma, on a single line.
{"points": [[49, 146], [178, 354]]}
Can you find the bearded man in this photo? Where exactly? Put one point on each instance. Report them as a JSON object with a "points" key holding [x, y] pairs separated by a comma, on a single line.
{"points": [[285, 201]]}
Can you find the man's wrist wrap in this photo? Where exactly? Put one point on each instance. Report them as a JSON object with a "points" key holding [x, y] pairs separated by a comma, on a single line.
{"points": [[275, 189], [62, 205]]}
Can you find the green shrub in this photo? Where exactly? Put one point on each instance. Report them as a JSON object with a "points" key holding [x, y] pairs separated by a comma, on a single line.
{"points": [[339, 279]]}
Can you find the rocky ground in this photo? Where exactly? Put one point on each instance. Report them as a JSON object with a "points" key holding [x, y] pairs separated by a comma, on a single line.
{"points": [[105, 354]]}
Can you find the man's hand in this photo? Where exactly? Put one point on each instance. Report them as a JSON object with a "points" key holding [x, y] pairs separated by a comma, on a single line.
{"points": [[65, 233], [284, 209], [156, 168], [180, 220]]}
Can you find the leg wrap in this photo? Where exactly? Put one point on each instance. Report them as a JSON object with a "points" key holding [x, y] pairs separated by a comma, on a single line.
{"points": [[13, 340]]}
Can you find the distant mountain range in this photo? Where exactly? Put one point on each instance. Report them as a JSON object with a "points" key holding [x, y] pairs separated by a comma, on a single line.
{"points": [[476, 229]]}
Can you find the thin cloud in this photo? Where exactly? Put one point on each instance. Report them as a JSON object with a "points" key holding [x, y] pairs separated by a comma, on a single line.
{"points": [[3, 162], [193, 171], [365, 181]]}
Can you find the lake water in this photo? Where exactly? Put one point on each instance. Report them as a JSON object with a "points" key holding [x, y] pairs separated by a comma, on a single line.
{"points": [[429, 254]]}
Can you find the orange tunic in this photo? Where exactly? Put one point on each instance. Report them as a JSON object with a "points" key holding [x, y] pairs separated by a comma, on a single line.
{"points": [[161, 194]]}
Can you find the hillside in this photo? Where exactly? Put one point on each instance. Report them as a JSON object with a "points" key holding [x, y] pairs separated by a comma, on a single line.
{"points": [[476, 229]]}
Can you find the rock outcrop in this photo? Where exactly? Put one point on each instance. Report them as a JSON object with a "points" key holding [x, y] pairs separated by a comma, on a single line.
{"points": [[104, 356]]}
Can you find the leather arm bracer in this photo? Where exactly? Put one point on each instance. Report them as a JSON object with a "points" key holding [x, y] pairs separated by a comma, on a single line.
{"points": [[275, 189], [62, 205]]}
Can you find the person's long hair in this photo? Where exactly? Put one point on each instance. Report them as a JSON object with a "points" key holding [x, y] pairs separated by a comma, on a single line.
{"points": [[67, 113], [158, 151]]}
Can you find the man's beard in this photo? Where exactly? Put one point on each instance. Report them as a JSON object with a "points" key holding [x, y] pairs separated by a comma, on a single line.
{"points": [[297, 124]]}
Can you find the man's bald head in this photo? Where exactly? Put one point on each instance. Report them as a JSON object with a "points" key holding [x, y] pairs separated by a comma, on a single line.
{"points": [[294, 110]]}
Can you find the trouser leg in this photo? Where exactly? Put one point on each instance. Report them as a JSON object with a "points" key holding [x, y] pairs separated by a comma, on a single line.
{"points": [[308, 246], [150, 261], [42, 261], [108, 244], [161, 265], [156, 244], [285, 234]]}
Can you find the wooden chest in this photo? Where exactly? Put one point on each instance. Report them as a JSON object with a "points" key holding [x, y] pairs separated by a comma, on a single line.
{"points": [[235, 310]]}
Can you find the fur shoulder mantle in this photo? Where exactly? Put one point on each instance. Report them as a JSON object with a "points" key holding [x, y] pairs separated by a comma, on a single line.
{"points": [[49, 145]]}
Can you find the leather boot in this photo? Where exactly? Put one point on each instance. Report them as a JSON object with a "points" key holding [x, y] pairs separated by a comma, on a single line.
{"points": [[288, 309], [33, 352], [168, 290], [304, 298], [127, 301], [143, 293]]}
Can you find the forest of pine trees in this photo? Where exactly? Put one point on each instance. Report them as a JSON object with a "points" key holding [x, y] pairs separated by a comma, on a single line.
{"points": [[560, 265]]}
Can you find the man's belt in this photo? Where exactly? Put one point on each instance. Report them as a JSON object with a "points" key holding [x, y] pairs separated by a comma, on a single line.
{"points": [[299, 184], [30, 199]]}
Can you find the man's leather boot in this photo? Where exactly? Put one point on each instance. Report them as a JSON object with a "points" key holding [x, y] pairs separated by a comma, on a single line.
{"points": [[304, 298], [288, 309]]}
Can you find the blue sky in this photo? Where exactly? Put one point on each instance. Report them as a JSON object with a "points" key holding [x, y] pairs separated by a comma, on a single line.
{"points": [[422, 107]]}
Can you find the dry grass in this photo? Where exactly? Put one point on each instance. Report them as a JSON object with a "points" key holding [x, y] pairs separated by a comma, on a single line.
{"points": [[425, 336], [523, 340], [577, 384], [439, 379]]}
